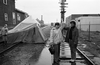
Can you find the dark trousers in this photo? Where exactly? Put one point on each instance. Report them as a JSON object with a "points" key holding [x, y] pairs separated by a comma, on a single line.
{"points": [[73, 48], [56, 54], [4, 38]]}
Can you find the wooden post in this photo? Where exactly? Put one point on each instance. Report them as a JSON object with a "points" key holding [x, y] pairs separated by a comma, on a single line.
{"points": [[89, 32], [41, 17]]}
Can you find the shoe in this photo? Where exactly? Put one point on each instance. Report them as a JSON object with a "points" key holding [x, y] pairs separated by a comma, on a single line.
{"points": [[47, 46], [72, 60], [58, 60], [55, 63]]}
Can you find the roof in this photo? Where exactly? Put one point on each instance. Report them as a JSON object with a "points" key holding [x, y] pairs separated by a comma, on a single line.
{"points": [[20, 11], [73, 16], [86, 14]]}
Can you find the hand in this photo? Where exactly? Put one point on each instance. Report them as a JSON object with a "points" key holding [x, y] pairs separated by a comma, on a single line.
{"points": [[63, 24], [51, 43]]}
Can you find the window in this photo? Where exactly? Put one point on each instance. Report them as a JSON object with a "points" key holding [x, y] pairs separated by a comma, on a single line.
{"points": [[6, 16], [18, 17], [5, 2], [14, 17]]}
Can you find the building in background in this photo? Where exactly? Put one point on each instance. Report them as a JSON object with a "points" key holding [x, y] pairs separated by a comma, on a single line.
{"points": [[41, 21], [7, 7], [83, 20], [19, 16], [9, 14], [76, 16]]}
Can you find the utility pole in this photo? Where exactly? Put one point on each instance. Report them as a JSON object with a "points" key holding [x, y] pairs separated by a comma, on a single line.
{"points": [[80, 26], [63, 5], [89, 31]]}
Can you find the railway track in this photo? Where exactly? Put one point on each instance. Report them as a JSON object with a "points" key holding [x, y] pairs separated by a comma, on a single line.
{"points": [[81, 58], [85, 57], [11, 47], [8, 48]]}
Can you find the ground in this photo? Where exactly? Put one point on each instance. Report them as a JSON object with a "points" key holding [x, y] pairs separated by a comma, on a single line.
{"points": [[25, 53], [22, 55], [92, 45]]}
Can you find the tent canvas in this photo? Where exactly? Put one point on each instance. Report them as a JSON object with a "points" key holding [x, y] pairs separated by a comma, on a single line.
{"points": [[24, 24], [30, 33], [46, 31]]}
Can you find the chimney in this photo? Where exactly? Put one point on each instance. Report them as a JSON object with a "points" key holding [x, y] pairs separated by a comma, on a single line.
{"points": [[41, 17]]}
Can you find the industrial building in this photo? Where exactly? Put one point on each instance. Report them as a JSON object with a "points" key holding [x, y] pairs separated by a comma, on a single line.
{"points": [[84, 20], [76, 16]]}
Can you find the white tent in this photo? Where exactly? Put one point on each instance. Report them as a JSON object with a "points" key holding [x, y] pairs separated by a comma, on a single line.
{"points": [[26, 31], [46, 31], [28, 22]]}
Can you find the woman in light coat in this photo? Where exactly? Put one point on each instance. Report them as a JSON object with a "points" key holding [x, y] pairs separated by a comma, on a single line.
{"points": [[56, 38]]}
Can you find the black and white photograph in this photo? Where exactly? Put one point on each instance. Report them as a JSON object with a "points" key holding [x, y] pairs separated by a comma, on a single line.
{"points": [[49, 32]]}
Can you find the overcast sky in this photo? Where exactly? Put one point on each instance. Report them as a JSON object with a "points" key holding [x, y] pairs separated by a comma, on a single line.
{"points": [[51, 11]]}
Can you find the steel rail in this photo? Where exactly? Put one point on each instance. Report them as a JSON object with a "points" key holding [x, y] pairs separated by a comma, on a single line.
{"points": [[88, 61]]}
